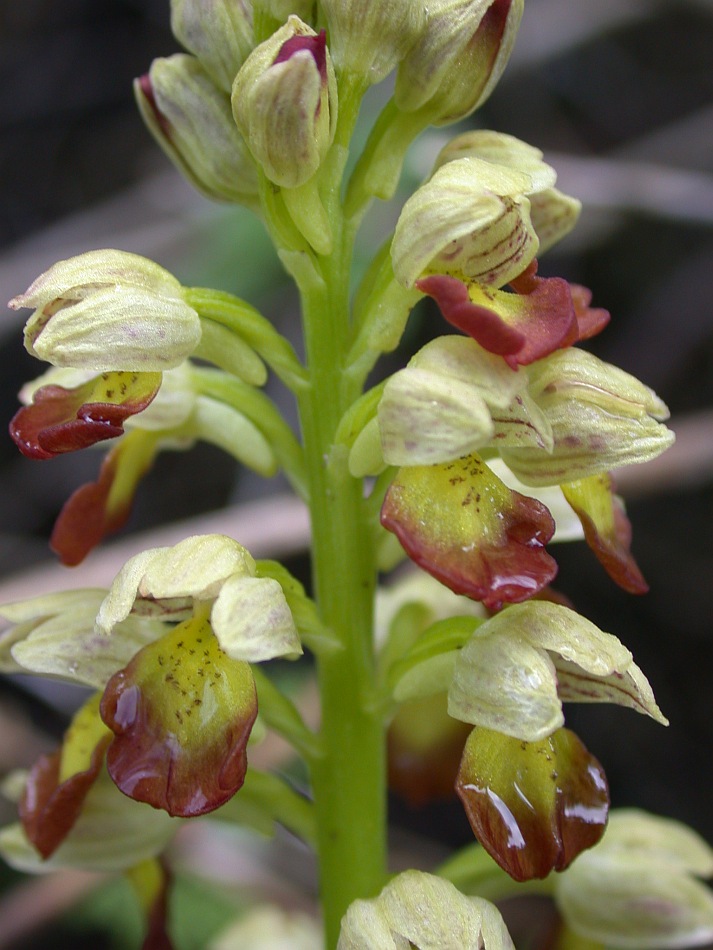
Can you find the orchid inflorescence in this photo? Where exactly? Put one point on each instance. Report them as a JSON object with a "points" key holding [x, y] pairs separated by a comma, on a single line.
{"points": [[492, 442]]}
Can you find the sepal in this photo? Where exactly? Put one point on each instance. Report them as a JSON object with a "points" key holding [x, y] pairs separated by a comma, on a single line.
{"points": [[55, 636], [441, 406], [249, 615], [601, 418], [553, 214], [469, 221], [519, 665]]}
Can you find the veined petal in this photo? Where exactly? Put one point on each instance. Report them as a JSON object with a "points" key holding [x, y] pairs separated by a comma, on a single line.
{"points": [[65, 420], [58, 784], [461, 524], [522, 327], [534, 806], [166, 581], [252, 622], [181, 713], [66, 644], [425, 912], [505, 684], [470, 221], [101, 508], [606, 528]]}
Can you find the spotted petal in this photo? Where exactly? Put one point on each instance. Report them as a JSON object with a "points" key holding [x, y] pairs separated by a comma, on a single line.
{"points": [[534, 806], [522, 327], [181, 713], [65, 420], [463, 525]]}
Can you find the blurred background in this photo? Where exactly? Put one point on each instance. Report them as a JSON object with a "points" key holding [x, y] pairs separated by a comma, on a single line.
{"points": [[619, 95]]}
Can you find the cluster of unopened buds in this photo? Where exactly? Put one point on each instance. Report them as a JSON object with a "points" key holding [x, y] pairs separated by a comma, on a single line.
{"points": [[488, 445]]}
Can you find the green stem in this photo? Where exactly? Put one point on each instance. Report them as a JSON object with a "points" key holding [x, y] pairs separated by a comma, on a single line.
{"points": [[348, 781]]}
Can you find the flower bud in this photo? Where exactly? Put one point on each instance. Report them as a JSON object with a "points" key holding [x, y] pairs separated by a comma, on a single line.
{"points": [[370, 38], [285, 103], [423, 911], [459, 57], [109, 310], [190, 118], [218, 32], [639, 887]]}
